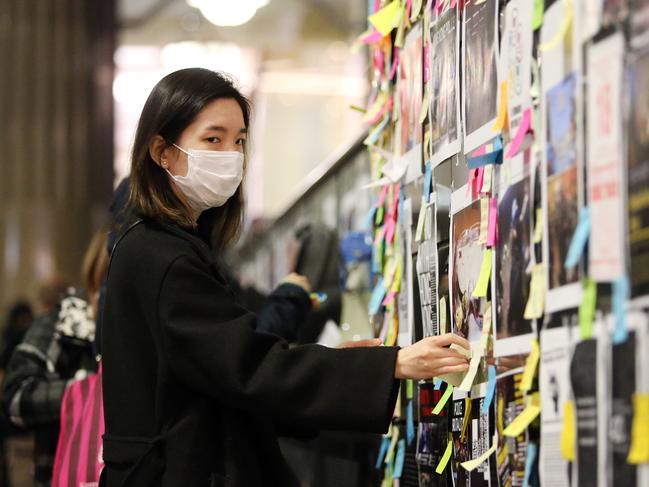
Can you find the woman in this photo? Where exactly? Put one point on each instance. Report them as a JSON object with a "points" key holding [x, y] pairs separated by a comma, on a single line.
{"points": [[193, 395]]}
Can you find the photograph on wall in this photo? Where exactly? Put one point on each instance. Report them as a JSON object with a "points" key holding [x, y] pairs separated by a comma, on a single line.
{"points": [[432, 437], [561, 167], [444, 85], [405, 303], [554, 385], [637, 130], [510, 453], [516, 56], [511, 274], [480, 71], [466, 260], [605, 159], [410, 85]]}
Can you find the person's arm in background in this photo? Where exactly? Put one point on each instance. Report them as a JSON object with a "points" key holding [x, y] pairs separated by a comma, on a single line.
{"points": [[32, 391]]}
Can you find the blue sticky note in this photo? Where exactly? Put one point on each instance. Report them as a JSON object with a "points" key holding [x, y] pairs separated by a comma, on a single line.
{"points": [[410, 423], [620, 296], [495, 157], [377, 131], [491, 390], [438, 384], [532, 450], [400, 459], [428, 181], [369, 219], [498, 143], [377, 297], [579, 239], [402, 200], [385, 444]]}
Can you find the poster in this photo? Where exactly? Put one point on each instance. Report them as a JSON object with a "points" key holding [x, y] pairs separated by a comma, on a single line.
{"points": [[410, 94], [623, 386], [475, 441], [511, 272], [605, 164], [405, 297], [637, 130], [427, 276], [510, 452], [517, 60], [562, 134], [466, 311], [432, 438], [445, 86], [479, 75], [554, 385]]}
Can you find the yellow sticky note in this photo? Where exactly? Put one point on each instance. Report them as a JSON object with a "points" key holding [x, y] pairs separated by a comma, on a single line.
{"points": [[522, 421], [376, 107], [424, 106], [415, 9], [421, 221], [480, 290], [487, 178], [538, 226], [426, 142], [639, 451], [471, 465], [568, 432], [442, 315], [536, 300], [387, 18], [499, 124], [401, 31], [467, 416], [484, 220], [563, 30], [530, 367], [476, 356], [393, 445], [442, 401], [445, 457], [486, 319], [389, 271]]}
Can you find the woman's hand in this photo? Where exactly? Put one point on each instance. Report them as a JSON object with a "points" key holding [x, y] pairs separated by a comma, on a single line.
{"points": [[431, 357], [298, 280], [372, 342]]}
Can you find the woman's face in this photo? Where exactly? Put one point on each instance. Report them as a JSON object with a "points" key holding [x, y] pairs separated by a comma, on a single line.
{"points": [[218, 127]]}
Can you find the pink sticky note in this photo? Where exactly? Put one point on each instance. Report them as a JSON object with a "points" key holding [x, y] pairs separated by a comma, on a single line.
{"points": [[384, 194], [426, 62], [438, 4], [384, 328], [408, 9], [493, 223], [379, 59], [395, 62], [429, 4], [479, 181], [389, 298], [481, 151], [390, 227], [374, 37], [379, 116], [453, 2], [523, 129]]}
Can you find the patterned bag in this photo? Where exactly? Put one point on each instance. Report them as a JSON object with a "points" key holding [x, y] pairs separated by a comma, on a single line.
{"points": [[79, 455]]}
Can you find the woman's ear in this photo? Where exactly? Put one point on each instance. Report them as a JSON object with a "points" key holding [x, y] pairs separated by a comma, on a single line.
{"points": [[158, 151]]}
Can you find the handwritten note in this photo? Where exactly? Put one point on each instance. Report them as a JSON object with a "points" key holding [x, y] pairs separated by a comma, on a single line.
{"points": [[480, 290]]}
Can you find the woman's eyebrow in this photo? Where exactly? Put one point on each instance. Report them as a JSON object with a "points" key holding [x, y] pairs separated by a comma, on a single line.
{"points": [[219, 128]]}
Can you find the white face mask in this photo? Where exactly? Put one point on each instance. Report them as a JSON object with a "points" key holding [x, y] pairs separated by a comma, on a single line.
{"points": [[212, 177]]}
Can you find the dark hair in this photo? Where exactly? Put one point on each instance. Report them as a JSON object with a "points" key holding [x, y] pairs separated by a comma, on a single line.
{"points": [[172, 105]]}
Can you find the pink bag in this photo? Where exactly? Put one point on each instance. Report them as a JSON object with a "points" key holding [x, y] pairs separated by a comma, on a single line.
{"points": [[79, 454]]}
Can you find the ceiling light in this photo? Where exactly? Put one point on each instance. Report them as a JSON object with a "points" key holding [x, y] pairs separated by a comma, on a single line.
{"points": [[228, 12]]}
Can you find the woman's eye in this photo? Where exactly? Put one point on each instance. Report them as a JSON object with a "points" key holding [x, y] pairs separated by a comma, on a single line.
{"points": [[241, 142], [213, 140]]}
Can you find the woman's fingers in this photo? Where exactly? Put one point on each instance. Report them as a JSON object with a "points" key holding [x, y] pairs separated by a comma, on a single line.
{"points": [[451, 338]]}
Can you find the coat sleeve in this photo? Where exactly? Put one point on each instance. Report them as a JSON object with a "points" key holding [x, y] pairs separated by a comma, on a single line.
{"points": [[211, 345], [284, 311]]}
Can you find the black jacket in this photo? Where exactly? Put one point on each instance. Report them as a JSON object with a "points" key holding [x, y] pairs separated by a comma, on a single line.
{"points": [[193, 395]]}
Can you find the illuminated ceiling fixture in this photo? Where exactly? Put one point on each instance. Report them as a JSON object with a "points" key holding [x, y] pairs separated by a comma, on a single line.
{"points": [[228, 13]]}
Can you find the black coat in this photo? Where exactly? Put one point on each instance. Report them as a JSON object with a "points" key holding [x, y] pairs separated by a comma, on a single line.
{"points": [[194, 396]]}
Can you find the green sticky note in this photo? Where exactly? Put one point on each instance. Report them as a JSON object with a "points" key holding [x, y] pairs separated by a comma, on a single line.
{"points": [[409, 389], [442, 402], [445, 458], [587, 308], [378, 219], [537, 16], [480, 290]]}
